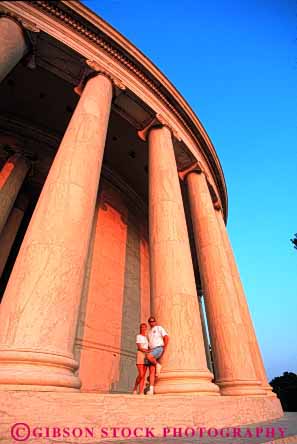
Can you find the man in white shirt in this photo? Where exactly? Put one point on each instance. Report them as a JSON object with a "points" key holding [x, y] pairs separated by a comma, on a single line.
{"points": [[158, 341]]}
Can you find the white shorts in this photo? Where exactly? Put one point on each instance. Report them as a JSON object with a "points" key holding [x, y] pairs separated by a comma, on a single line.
{"points": [[140, 357]]}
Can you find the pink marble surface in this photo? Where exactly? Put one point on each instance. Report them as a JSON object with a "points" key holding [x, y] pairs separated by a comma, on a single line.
{"points": [[173, 290], [157, 412], [40, 306], [235, 371]]}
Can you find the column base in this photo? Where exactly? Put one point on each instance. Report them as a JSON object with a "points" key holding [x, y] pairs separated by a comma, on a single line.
{"points": [[268, 390], [241, 388], [186, 382], [37, 370]]}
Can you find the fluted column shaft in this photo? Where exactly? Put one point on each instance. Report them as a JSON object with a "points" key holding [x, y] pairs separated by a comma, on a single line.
{"points": [[13, 46], [12, 177], [232, 357], [40, 306], [254, 346], [174, 297]]}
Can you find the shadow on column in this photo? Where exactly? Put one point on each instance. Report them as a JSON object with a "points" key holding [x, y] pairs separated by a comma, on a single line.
{"points": [[131, 311], [84, 297], [205, 330]]}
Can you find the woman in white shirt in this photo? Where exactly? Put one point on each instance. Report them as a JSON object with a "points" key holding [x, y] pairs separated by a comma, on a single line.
{"points": [[142, 349]]}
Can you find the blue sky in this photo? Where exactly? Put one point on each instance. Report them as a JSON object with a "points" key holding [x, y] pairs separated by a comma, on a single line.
{"points": [[236, 64]]}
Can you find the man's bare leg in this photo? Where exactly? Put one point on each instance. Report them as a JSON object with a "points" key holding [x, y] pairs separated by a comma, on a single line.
{"points": [[154, 361], [152, 370], [151, 359]]}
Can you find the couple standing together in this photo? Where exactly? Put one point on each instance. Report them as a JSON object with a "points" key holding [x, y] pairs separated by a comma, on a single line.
{"points": [[151, 345]]}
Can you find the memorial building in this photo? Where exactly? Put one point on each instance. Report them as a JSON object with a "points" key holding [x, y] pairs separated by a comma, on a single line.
{"points": [[113, 206]]}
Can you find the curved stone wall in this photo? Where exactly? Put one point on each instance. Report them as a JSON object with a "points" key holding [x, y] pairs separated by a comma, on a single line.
{"points": [[116, 294]]}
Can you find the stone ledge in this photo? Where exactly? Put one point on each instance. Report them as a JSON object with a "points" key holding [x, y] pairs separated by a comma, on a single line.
{"points": [[287, 440], [69, 409]]}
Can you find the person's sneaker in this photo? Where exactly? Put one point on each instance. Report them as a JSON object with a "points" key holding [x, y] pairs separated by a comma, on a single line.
{"points": [[134, 392], [158, 369], [150, 391]]}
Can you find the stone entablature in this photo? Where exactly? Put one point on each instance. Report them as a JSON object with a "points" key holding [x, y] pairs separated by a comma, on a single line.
{"points": [[91, 37]]}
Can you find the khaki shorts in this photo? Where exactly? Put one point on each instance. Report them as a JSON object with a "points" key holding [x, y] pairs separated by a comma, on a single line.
{"points": [[140, 357]]}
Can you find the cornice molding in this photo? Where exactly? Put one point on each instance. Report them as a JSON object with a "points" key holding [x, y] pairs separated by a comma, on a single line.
{"points": [[147, 78], [113, 52], [85, 23], [107, 47]]}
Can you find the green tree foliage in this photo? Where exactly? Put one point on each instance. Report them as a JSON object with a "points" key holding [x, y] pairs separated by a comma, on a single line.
{"points": [[285, 387], [294, 241]]}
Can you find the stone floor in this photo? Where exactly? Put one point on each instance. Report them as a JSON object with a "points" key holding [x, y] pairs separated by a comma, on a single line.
{"points": [[28, 412], [288, 422]]}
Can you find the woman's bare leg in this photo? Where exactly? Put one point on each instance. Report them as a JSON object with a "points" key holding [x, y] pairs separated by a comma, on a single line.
{"points": [[142, 380], [138, 378]]}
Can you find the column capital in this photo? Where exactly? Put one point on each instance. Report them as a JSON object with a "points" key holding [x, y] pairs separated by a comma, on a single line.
{"points": [[29, 26], [23, 23], [30, 32], [196, 167], [31, 35], [157, 122], [94, 68]]}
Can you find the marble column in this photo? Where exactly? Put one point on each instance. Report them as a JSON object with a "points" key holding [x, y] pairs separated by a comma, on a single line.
{"points": [[254, 346], [40, 305], [12, 177], [173, 289], [233, 361], [9, 232], [13, 45]]}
